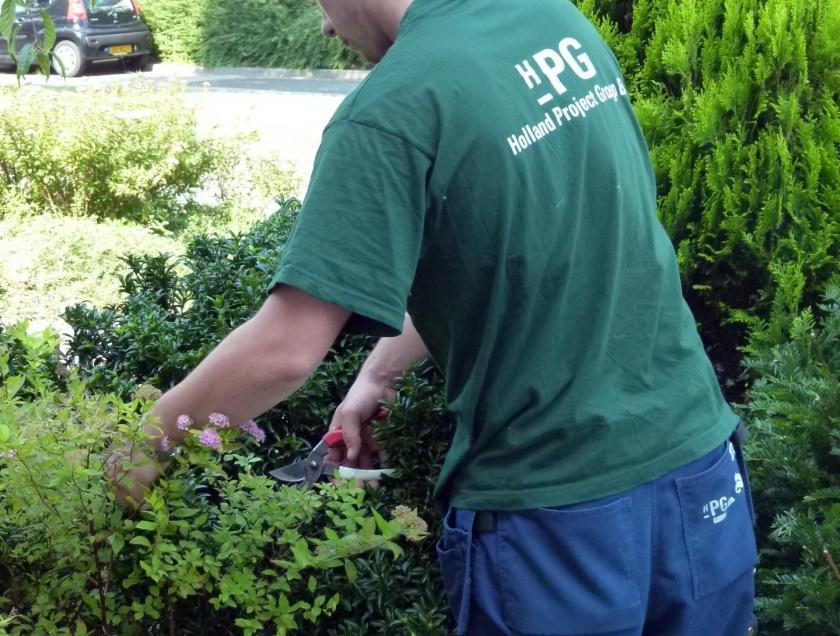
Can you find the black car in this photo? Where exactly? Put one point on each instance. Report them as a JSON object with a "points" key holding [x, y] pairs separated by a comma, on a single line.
{"points": [[87, 32]]}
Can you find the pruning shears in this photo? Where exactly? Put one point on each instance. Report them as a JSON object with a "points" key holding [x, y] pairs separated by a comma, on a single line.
{"points": [[305, 472]]}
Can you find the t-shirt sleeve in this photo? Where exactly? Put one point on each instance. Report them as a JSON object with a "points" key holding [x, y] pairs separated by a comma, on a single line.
{"points": [[358, 234]]}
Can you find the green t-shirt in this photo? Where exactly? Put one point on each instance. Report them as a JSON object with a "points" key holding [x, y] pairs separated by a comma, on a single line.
{"points": [[489, 177]]}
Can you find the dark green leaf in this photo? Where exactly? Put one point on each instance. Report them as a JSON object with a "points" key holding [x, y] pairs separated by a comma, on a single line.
{"points": [[49, 31], [26, 58], [7, 21], [43, 60]]}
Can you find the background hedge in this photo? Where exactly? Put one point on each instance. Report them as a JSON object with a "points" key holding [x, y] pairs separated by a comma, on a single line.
{"points": [[251, 33], [738, 101]]}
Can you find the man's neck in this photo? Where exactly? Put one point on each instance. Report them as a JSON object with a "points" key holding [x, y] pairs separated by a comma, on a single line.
{"points": [[392, 12]]}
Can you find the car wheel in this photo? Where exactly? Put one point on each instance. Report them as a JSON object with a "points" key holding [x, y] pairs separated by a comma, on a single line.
{"points": [[71, 56]]}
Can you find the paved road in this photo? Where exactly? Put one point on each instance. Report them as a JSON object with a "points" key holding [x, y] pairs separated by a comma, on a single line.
{"points": [[287, 109]]}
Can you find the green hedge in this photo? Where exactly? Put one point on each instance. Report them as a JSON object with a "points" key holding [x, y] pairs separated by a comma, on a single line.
{"points": [[739, 103], [793, 412], [252, 33], [219, 548], [175, 310]]}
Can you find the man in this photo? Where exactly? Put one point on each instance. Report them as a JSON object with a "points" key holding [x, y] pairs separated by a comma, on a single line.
{"points": [[489, 178]]}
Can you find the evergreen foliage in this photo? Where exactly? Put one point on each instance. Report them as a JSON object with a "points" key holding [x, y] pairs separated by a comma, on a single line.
{"points": [[174, 311], [252, 33], [739, 103], [794, 457]]}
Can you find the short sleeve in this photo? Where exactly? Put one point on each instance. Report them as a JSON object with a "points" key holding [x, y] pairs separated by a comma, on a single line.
{"points": [[358, 234]]}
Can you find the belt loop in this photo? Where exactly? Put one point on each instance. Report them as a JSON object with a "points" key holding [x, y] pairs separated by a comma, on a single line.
{"points": [[740, 434]]}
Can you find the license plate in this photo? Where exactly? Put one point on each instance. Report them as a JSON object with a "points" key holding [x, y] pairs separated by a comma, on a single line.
{"points": [[121, 49]]}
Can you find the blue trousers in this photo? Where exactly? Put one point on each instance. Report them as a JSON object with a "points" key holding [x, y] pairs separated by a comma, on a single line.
{"points": [[673, 557]]}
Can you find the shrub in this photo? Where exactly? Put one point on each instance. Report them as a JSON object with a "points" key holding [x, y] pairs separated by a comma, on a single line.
{"points": [[174, 312], [218, 548], [739, 104], [128, 152], [284, 34], [138, 152], [794, 456]]}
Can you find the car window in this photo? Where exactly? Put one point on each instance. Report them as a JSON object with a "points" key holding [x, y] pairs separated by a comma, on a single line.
{"points": [[103, 8], [33, 6]]}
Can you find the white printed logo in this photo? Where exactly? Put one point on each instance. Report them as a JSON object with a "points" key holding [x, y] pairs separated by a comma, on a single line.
{"points": [[550, 65], [716, 509], [739, 483], [731, 451]]}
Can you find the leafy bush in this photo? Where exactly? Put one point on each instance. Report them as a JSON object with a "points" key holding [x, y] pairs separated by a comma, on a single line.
{"points": [[124, 152], [137, 152], [284, 34], [218, 548], [739, 104], [174, 312], [794, 457]]}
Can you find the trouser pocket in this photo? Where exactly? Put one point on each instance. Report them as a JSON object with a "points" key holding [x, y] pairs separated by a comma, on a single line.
{"points": [[717, 518], [453, 552], [569, 570]]}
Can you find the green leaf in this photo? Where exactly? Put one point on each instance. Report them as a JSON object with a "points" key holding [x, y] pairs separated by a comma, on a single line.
{"points": [[7, 21], [60, 63], [49, 30], [117, 542], [26, 58], [5, 434], [146, 525], [394, 548], [43, 60], [140, 540], [350, 570], [13, 384], [333, 602], [311, 584], [381, 523]]}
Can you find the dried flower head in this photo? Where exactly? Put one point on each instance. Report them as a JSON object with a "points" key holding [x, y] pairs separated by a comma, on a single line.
{"points": [[147, 392], [416, 528]]}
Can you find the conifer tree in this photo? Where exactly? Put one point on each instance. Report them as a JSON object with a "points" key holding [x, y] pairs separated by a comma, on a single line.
{"points": [[738, 100]]}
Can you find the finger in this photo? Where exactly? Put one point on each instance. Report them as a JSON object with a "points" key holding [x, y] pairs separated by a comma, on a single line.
{"points": [[369, 440], [365, 462], [351, 425]]}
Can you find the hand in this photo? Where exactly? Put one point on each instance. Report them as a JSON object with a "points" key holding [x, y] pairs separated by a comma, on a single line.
{"points": [[132, 472], [354, 417]]}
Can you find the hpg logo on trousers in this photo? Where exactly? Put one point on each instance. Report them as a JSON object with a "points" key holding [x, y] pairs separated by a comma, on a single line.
{"points": [[716, 509]]}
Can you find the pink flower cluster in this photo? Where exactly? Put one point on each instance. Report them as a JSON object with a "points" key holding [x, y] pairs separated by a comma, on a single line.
{"points": [[210, 435]]}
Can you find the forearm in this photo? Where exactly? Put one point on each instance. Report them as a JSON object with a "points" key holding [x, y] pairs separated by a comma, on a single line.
{"points": [[393, 356], [256, 366]]}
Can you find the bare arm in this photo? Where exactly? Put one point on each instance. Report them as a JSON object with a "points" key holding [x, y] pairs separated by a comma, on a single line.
{"points": [[387, 362], [256, 366]]}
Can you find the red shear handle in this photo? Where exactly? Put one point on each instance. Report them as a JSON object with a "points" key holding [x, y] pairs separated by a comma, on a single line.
{"points": [[336, 437]]}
